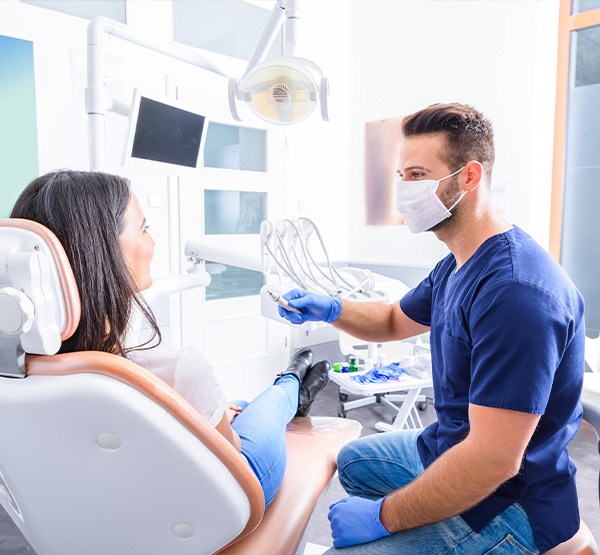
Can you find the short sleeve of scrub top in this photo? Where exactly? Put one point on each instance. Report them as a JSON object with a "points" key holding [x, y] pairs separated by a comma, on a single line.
{"points": [[517, 329], [417, 303]]}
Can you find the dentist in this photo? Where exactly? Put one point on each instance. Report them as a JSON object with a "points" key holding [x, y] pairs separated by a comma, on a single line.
{"points": [[507, 340]]}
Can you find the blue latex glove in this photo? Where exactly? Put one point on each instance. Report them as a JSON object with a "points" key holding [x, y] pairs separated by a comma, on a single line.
{"points": [[356, 520], [380, 374], [317, 308]]}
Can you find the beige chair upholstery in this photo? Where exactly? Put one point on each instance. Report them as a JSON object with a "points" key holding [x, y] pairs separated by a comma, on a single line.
{"points": [[313, 444], [582, 543]]}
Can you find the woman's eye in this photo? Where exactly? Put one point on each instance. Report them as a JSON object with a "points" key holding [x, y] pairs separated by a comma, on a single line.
{"points": [[146, 228]]}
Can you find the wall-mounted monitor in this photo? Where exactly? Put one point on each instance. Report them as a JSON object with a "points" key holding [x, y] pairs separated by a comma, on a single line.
{"points": [[165, 135]]}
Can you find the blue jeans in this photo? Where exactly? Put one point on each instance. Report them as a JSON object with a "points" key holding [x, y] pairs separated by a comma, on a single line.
{"points": [[261, 427], [376, 465]]}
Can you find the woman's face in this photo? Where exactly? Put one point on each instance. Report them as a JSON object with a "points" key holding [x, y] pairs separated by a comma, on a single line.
{"points": [[137, 245]]}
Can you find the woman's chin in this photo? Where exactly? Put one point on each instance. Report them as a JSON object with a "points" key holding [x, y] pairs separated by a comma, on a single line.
{"points": [[146, 284]]}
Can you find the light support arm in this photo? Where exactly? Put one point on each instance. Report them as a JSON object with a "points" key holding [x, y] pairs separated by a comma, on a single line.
{"points": [[268, 37], [293, 14], [95, 98], [283, 8]]}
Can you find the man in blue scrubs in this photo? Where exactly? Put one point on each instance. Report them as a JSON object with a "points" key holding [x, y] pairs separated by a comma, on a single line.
{"points": [[507, 338]]}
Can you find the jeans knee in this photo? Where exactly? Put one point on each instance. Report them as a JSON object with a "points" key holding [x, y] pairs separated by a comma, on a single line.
{"points": [[348, 453]]}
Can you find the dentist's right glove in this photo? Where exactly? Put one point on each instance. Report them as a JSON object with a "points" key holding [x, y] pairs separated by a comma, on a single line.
{"points": [[314, 307], [356, 520]]}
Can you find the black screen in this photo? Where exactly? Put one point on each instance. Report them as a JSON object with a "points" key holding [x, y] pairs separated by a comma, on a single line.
{"points": [[167, 134]]}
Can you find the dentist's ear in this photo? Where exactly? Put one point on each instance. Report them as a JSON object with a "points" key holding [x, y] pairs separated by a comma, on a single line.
{"points": [[473, 174]]}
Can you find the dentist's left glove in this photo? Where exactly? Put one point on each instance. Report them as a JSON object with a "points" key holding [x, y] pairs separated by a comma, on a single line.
{"points": [[356, 520]]}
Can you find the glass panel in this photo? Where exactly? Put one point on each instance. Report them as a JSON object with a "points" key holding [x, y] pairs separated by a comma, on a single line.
{"points": [[235, 148], [233, 212], [19, 137], [584, 5], [229, 27], [231, 281], [586, 48], [580, 248], [115, 9]]}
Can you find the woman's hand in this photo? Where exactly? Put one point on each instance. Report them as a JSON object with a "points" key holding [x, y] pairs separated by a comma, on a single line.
{"points": [[232, 411]]}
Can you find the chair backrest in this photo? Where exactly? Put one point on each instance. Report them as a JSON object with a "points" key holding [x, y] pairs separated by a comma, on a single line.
{"points": [[98, 455], [39, 301]]}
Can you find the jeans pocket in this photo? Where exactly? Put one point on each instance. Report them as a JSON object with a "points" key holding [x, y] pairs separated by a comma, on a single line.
{"points": [[510, 546]]}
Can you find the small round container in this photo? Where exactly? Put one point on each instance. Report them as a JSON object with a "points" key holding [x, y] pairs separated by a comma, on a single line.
{"points": [[339, 367]]}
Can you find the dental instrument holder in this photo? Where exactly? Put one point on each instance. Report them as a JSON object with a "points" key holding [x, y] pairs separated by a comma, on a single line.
{"points": [[287, 263]]}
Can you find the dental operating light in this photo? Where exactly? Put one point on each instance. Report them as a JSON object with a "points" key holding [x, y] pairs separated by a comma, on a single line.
{"points": [[285, 89]]}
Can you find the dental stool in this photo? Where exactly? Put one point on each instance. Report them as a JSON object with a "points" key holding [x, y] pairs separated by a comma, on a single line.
{"points": [[583, 542], [100, 457]]}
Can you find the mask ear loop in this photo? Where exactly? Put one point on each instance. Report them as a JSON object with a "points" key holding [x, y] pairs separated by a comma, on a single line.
{"points": [[464, 192]]}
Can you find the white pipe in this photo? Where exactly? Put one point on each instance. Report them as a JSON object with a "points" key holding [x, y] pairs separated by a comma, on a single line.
{"points": [[94, 95], [166, 285], [293, 14], [204, 249]]}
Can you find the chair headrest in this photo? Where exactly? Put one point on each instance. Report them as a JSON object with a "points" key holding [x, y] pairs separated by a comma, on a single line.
{"points": [[39, 299]]}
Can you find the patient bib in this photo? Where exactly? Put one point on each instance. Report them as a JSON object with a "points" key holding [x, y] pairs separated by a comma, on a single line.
{"points": [[190, 374]]}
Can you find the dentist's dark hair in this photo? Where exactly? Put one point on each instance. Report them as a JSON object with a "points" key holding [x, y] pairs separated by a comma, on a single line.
{"points": [[469, 134], [85, 210]]}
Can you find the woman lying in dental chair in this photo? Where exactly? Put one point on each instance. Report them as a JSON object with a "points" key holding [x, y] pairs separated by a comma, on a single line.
{"points": [[102, 228]]}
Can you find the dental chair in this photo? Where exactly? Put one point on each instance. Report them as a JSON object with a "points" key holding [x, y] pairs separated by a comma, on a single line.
{"points": [[100, 457]]}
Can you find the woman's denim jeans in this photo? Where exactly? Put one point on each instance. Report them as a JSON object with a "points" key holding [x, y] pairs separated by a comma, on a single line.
{"points": [[261, 427]]}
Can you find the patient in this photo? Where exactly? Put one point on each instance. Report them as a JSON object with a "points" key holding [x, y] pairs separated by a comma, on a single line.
{"points": [[102, 228]]}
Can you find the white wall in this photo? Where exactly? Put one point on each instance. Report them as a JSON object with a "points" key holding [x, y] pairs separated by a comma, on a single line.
{"points": [[497, 55]]}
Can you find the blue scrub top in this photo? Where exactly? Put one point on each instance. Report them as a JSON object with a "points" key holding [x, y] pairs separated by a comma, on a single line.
{"points": [[507, 331]]}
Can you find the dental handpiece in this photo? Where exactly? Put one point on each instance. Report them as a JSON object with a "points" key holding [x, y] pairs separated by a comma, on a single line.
{"points": [[283, 302]]}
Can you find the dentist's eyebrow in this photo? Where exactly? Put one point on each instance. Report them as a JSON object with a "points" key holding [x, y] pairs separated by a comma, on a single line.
{"points": [[416, 168], [143, 224]]}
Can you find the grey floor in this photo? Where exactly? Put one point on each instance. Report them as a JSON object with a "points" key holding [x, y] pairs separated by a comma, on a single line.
{"points": [[583, 450]]}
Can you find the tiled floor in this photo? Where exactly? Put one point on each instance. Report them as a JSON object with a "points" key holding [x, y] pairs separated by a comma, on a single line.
{"points": [[583, 450]]}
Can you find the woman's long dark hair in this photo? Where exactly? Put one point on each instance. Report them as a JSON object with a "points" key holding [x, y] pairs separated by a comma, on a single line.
{"points": [[85, 210]]}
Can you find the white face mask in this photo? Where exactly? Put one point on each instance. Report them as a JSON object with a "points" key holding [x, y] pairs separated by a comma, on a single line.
{"points": [[418, 204]]}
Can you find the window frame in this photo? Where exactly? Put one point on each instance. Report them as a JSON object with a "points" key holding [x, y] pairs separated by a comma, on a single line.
{"points": [[567, 23]]}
